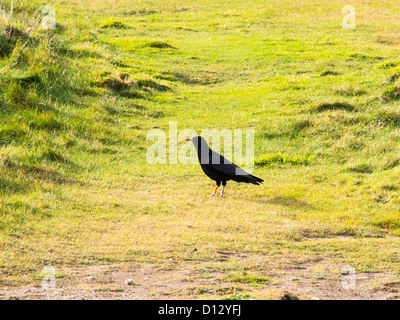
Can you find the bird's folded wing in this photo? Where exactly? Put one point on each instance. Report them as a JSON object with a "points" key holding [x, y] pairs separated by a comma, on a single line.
{"points": [[222, 165]]}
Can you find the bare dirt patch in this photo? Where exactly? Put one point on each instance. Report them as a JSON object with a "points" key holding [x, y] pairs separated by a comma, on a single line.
{"points": [[290, 276]]}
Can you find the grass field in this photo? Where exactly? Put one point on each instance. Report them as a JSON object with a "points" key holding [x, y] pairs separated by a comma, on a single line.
{"points": [[76, 190]]}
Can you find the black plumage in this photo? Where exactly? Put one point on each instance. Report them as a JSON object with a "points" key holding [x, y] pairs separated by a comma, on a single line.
{"points": [[218, 168]]}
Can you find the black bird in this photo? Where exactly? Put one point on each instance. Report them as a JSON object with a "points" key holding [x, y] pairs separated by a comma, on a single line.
{"points": [[217, 168]]}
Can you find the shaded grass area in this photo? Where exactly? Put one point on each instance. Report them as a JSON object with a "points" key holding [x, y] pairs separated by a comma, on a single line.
{"points": [[77, 102]]}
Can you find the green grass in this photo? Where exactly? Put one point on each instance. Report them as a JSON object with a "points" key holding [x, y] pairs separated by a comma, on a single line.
{"points": [[281, 158], [76, 104], [253, 280]]}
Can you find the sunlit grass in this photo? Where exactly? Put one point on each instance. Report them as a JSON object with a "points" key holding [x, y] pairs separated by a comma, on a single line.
{"points": [[77, 102]]}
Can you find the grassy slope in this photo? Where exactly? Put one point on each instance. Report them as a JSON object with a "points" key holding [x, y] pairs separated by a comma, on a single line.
{"points": [[72, 133]]}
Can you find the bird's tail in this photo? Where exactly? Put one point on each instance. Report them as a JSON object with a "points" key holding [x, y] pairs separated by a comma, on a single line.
{"points": [[255, 180]]}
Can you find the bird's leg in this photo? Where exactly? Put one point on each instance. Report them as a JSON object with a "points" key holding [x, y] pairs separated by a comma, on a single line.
{"points": [[215, 191], [223, 188]]}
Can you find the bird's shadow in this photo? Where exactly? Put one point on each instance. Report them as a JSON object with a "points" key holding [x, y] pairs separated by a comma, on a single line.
{"points": [[288, 202]]}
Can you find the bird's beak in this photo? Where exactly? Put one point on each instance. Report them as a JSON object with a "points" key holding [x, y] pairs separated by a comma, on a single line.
{"points": [[188, 139]]}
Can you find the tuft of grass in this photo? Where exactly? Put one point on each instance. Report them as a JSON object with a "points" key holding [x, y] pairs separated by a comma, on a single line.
{"points": [[238, 296], [46, 121], [365, 57], [388, 221], [349, 92], [390, 187], [17, 96], [392, 92], [149, 83], [125, 84], [387, 117], [388, 64], [140, 12], [113, 24], [250, 279], [159, 45], [329, 73], [12, 132], [52, 154], [281, 158], [6, 45], [361, 168], [392, 164], [121, 84], [393, 78], [332, 106], [28, 80]]}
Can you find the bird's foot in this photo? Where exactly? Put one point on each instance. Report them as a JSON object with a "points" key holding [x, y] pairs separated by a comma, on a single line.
{"points": [[214, 192], [222, 195]]}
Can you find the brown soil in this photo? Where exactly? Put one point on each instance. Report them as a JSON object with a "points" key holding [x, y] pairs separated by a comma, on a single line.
{"points": [[290, 277]]}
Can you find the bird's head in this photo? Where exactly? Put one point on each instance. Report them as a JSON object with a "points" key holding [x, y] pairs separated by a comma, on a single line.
{"points": [[196, 140], [199, 142]]}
